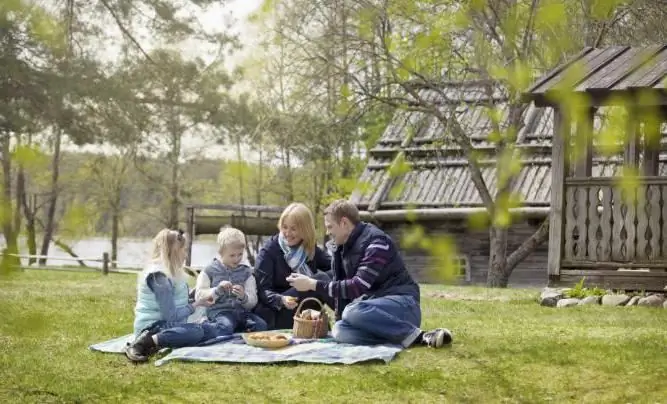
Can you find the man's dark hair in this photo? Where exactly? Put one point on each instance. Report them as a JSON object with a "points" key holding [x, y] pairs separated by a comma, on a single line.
{"points": [[342, 208]]}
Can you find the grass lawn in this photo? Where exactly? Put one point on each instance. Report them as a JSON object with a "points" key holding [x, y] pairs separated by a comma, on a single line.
{"points": [[507, 349]]}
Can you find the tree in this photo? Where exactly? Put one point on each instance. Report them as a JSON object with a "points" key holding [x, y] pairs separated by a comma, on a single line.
{"points": [[400, 53]]}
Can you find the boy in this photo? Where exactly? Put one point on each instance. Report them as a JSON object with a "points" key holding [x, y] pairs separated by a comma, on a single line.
{"points": [[230, 286]]}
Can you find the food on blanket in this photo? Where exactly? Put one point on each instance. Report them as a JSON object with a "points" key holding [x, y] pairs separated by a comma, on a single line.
{"points": [[267, 337]]}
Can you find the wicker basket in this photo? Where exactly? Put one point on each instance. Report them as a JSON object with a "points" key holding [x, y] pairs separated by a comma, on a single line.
{"points": [[310, 328]]}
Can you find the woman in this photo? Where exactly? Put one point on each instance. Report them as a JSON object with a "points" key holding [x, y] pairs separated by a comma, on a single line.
{"points": [[293, 249]]}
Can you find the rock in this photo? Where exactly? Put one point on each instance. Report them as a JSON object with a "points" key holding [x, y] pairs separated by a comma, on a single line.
{"points": [[633, 301], [567, 302], [652, 301], [615, 300], [664, 305], [550, 297], [590, 300]]}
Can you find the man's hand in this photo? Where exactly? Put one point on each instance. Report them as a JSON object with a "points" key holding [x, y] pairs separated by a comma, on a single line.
{"points": [[238, 291], [302, 283]]}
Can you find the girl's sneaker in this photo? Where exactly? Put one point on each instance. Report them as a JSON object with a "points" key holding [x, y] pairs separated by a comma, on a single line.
{"points": [[142, 347]]}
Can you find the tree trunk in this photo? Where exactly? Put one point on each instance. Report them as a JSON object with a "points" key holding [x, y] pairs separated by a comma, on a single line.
{"points": [[174, 186], [115, 226], [29, 211], [63, 246], [500, 270], [9, 261], [498, 276], [53, 199], [288, 172]]}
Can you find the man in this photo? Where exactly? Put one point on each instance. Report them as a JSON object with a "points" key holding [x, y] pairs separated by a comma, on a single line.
{"points": [[376, 299]]}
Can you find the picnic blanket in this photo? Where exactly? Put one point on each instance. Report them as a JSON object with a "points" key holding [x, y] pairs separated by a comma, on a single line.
{"points": [[234, 349]]}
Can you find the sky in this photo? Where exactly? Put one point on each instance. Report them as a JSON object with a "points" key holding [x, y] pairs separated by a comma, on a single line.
{"points": [[203, 144]]}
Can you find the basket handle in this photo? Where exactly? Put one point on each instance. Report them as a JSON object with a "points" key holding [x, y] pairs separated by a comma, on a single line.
{"points": [[298, 309]]}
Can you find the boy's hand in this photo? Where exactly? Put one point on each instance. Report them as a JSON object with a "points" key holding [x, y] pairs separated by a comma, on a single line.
{"points": [[238, 291], [224, 285]]}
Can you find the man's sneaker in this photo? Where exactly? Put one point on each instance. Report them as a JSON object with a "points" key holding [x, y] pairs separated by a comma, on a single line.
{"points": [[437, 338], [142, 347]]}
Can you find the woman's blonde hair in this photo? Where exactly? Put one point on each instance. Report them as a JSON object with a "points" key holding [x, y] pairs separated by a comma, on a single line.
{"points": [[169, 250], [302, 218]]}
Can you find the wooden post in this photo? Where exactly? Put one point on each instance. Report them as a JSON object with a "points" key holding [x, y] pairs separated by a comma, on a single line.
{"points": [[584, 165], [652, 137], [105, 263], [558, 164], [190, 229]]}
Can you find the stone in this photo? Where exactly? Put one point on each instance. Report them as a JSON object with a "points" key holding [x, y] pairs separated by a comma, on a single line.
{"points": [[664, 305], [615, 300], [567, 302], [652, 301], [633, 301], [550, 297], [590, 300]]}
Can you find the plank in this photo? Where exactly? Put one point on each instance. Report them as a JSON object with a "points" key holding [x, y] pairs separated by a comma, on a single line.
{"points": [[581, 219], [593, 223], [623, 66], [642, 213], [655, 192], [557, 194], [618, 240], [589, 65], [605, 224]]}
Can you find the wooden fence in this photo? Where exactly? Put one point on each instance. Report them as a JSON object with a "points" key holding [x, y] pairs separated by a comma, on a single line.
{"points": [[107, 265]]}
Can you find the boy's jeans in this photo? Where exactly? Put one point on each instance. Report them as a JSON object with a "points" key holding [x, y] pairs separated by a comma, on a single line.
{"points": [[389, 319]]}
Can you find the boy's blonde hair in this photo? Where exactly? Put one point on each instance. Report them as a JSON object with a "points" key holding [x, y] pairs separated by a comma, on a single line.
{"points": [[169, 250], [302, 218], [230, 237]]}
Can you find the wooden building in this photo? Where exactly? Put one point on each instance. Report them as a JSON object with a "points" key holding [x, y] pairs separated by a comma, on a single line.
{"points": [[437, 191], [613, 235]]}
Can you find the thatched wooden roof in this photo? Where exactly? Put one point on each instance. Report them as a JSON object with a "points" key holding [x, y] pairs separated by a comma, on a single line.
{"points": [[605, 73], [438, 177]]}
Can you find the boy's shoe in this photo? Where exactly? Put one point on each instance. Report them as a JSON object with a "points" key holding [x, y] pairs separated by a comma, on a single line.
{"points": [[437, 338], [142, 347]]}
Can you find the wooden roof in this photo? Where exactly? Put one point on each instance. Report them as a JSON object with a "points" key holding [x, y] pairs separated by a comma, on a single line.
{"points": [[438, 176], [606, 73]]}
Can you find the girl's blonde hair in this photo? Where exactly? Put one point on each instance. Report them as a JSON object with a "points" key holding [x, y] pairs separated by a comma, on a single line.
{"points": [[302, 218], [230, 236], [169, 250]]}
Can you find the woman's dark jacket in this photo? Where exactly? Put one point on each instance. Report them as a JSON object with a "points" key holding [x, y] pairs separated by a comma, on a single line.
{"points": [[271, 271]]}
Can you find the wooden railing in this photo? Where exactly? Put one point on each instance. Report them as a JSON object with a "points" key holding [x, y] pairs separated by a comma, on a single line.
{"points": [[107, 267], [608, 223]]}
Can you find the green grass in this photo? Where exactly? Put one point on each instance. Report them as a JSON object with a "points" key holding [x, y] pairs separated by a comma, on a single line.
{"points": [[507, 349]]}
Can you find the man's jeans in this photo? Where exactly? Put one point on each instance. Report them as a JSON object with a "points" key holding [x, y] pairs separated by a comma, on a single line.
{"points": [[388, 319]]}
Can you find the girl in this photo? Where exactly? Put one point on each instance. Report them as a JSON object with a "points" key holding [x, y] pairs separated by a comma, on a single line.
{"points": [[292, 250], [162, 309]]}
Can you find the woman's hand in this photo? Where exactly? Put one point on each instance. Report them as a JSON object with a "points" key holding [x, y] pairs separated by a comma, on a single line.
{"points": [[205, 302], [289, 302]]}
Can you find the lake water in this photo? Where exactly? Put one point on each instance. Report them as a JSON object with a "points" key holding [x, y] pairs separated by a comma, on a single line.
{"points": [[132, 253]]}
